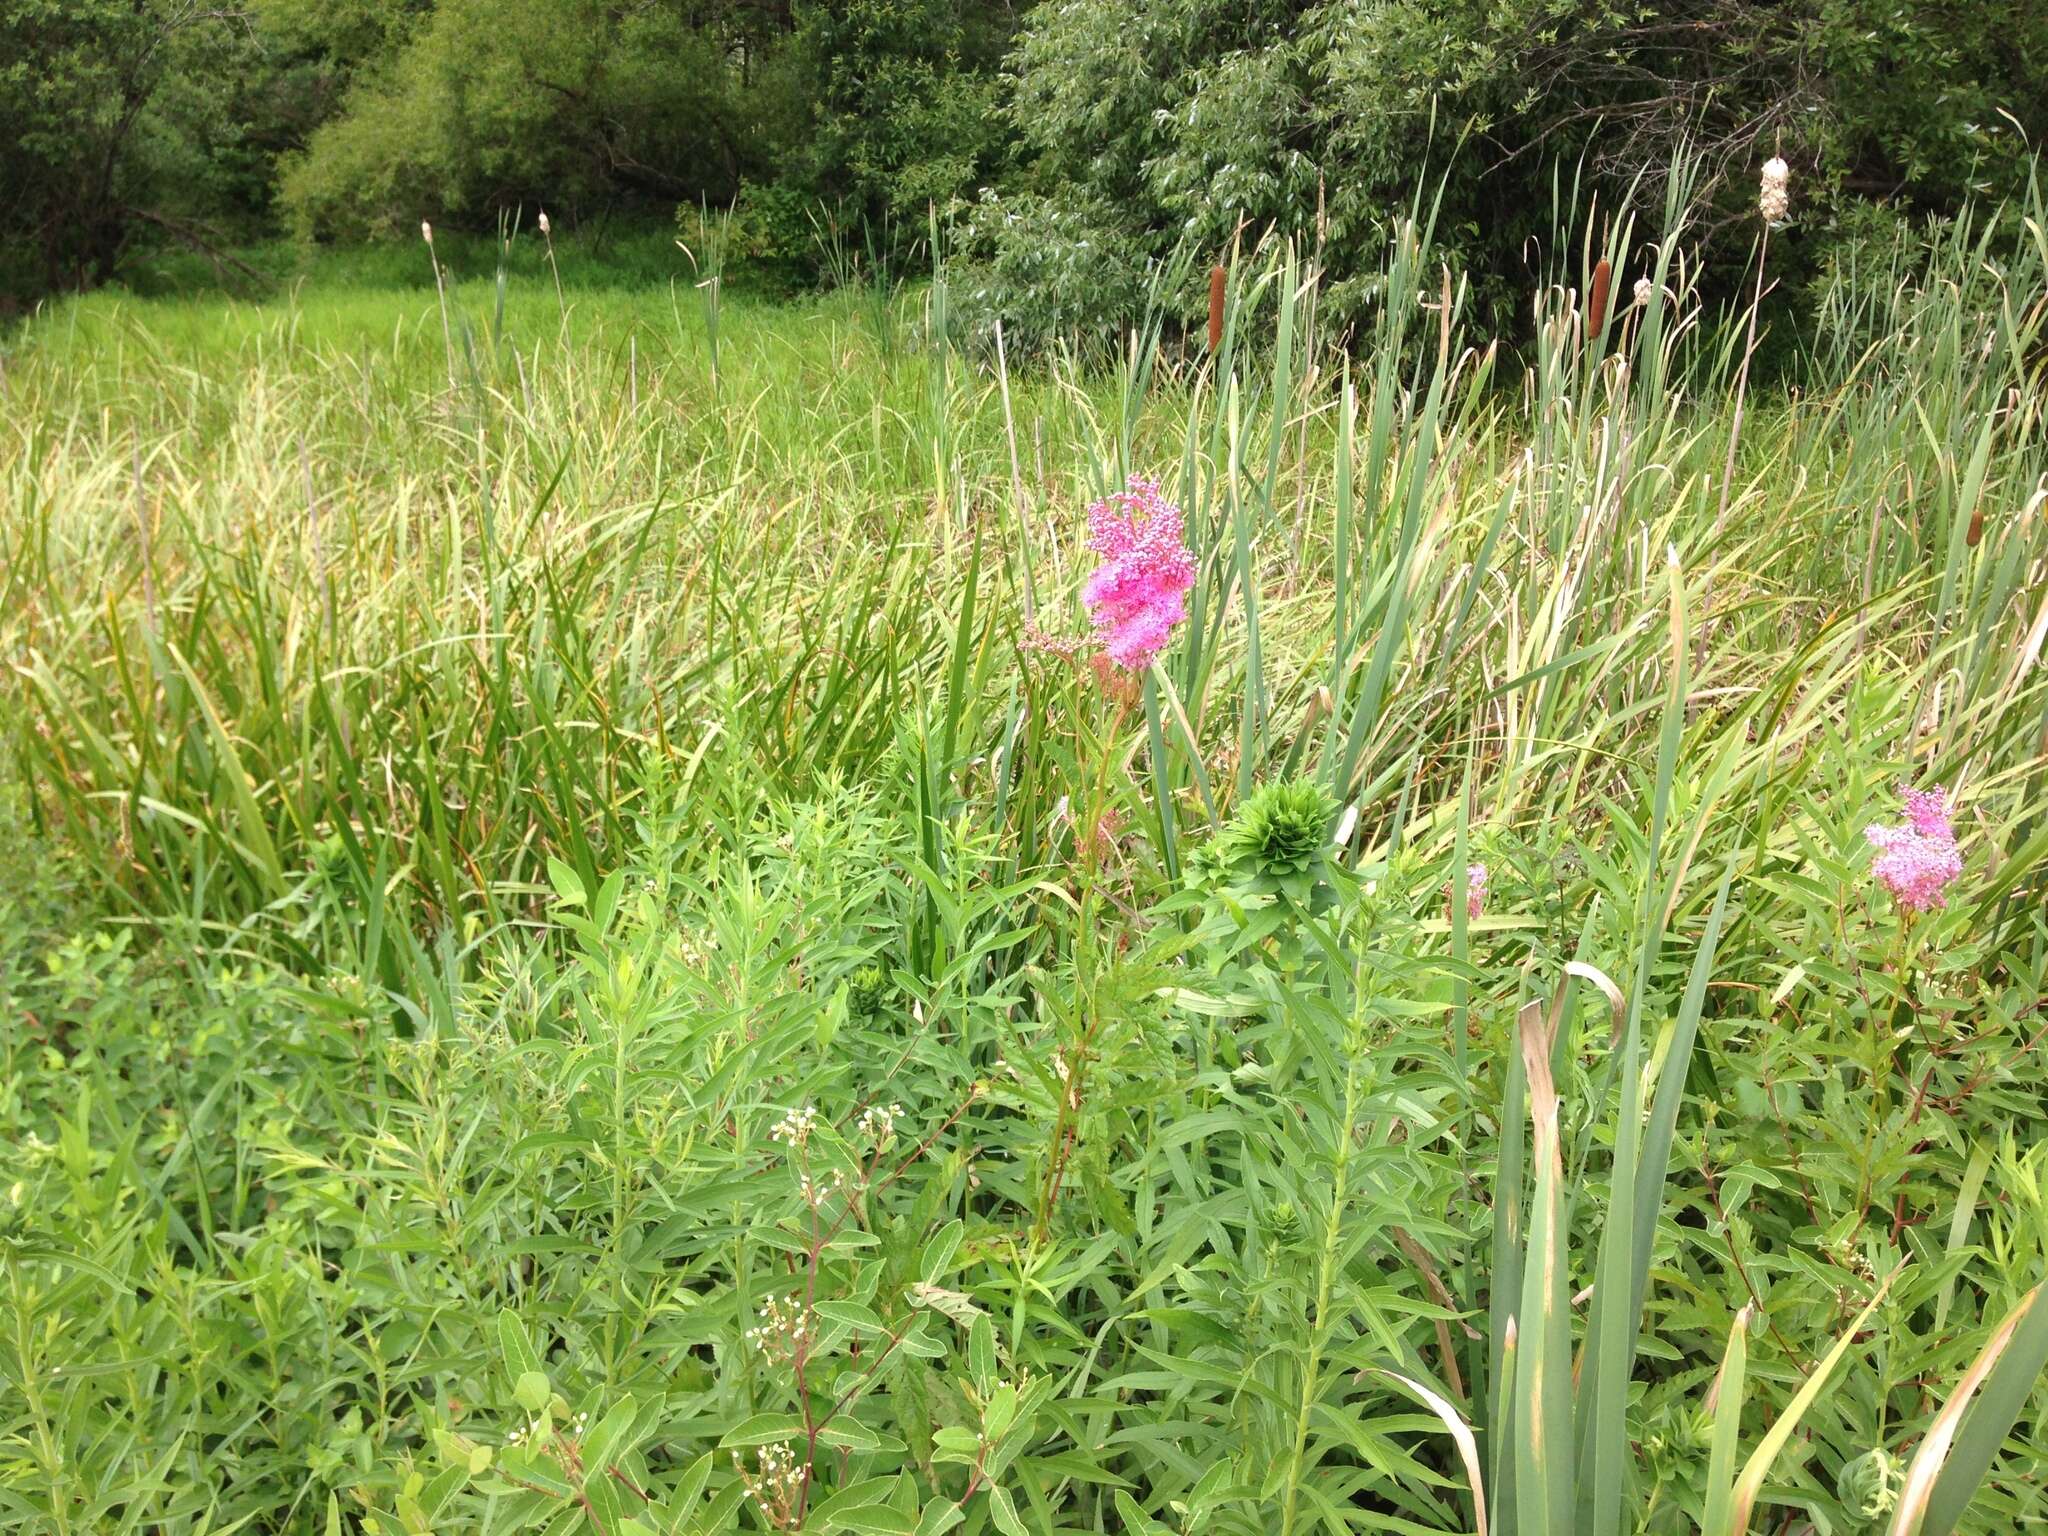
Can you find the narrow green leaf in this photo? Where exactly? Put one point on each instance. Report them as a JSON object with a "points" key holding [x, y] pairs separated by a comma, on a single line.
{"points": [[1543, 1405], [762, 1429], [937, 1257], [867, 1520], [1726, 1406], [514, 1348], [1005, 1512]]}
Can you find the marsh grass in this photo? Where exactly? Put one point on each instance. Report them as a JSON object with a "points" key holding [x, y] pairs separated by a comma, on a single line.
{"points": [[514, 795]]}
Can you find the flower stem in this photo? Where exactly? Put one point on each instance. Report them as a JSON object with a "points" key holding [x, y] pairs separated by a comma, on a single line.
{"points": [[1326, 1282]]}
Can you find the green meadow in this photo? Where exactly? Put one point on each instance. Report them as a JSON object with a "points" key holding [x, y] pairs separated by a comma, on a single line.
{"points": [[587, 942]]}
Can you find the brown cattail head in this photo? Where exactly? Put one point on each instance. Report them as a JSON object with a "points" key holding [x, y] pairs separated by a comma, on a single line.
{"points": [[1596, 317], [1217, 279], [1976, 534]]}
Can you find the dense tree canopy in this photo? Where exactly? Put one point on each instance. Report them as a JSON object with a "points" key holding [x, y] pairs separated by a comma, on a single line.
{"points": [[1153, 121], [483, 104], [116, 116], [347, 119], [1081, 139]]}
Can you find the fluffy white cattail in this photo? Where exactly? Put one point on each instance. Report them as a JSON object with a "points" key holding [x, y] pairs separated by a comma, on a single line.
{"points": [[1645, 291], [1773, 201], [426, 232], [543, 221]]}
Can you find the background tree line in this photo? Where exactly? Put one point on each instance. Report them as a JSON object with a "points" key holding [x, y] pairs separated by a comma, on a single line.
{"points": [[1069, 144]]}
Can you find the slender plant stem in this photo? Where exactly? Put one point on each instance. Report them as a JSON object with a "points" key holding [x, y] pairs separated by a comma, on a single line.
{"points": [[1742, 380], [1326, 1281]]}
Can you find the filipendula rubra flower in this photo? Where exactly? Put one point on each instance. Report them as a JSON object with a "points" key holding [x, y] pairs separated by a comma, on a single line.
{"points": [[1476, 876], [1918, 861], [1138, 595]]}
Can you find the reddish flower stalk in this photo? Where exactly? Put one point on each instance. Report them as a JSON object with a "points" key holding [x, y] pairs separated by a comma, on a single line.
{"points": [[1476, 876]]}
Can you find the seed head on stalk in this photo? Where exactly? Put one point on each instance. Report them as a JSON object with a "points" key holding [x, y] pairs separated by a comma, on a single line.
{"points": [[441, 293], [1773, 199]]}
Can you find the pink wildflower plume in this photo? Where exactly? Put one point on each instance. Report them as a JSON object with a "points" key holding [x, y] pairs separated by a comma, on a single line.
{"points": [[1476, 876], [1137, 597], [1918, 860], [1927, 810]]}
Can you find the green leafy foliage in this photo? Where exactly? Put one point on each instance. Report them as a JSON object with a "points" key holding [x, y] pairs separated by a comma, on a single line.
{"points": [[1200, 123], [121, 120], [589, 950], [490, 104], [902, 104]]}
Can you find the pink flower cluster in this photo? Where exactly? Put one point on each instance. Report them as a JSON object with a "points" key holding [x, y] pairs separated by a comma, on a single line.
{"points": [[1918, 861], [1476, 876], [1138, 595]]}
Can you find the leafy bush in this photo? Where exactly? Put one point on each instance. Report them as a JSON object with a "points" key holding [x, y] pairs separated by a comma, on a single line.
{"points": [[490, 104]]}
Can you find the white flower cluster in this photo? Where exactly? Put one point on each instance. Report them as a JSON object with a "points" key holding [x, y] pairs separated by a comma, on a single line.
{"points": [[817, 1191], [776, 1481], [781, 1331], [1773, 200], [795, 1127], [537, 1427], [878, 1125]]}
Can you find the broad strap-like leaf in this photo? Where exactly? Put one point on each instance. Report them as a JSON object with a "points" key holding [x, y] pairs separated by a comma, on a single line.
{"points": [[1543, 1402], [1461, 1435], [2002, 1380]]}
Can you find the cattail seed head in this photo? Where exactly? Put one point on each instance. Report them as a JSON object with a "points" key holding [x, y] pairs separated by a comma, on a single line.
{"points": [[1217, 279], [1773, 199], [1976, 534], [1645, 291], [1596, 316], [426, 232], [543, 221]]}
